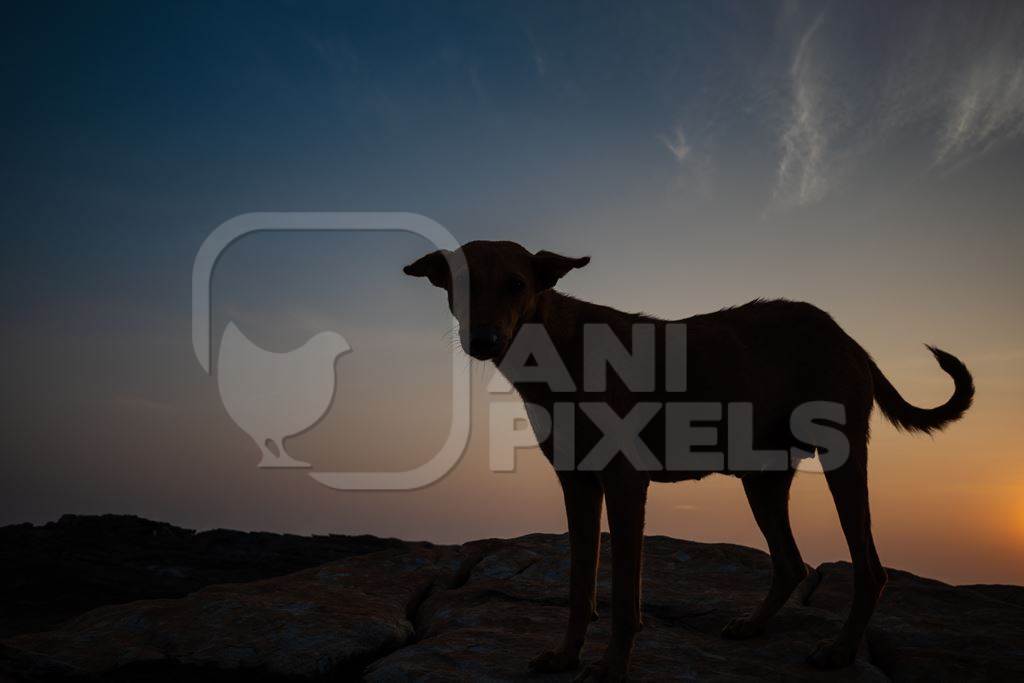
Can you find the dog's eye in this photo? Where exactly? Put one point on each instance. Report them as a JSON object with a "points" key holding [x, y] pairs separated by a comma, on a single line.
{"points": [[516, 284]]}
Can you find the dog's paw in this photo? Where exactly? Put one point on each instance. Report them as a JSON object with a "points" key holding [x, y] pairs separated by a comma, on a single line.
{"points": [[555, 661], [600, 672], [741, 628], [832, 654]]}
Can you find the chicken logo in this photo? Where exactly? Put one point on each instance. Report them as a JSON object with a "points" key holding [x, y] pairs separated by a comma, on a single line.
{"points": [[273, 396]]}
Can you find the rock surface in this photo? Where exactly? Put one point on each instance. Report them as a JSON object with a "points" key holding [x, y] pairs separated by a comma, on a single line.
{"points": [[52, 572], [400, 611]]}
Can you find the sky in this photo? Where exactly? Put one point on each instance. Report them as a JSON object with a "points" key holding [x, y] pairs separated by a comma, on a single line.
{"points": [[865, 157]]}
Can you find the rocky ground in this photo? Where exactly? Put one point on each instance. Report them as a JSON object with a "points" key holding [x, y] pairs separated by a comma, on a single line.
{"points": [[120, 598]]}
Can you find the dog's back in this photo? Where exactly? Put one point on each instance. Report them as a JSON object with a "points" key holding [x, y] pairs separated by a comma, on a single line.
{"points": [[790, 351]]}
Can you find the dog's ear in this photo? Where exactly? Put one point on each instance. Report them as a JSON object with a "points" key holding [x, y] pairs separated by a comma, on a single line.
{"points": [[549, 268], [433, 266]]}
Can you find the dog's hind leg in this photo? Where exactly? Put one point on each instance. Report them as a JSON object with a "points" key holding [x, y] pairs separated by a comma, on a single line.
{"points": [[849, 486], [768, 495]]}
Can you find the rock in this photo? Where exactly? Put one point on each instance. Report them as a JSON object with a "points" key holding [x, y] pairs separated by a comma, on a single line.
{"points": [[513, 606], [332, 619], [52, 572], [923, 627], [482, 610]]}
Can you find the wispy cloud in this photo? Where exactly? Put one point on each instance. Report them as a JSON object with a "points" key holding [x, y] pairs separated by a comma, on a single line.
{"points": [[801, 170], [540, 63], [676, 143], [952, 77], [989, 107], [696, 168], [965, 70]]}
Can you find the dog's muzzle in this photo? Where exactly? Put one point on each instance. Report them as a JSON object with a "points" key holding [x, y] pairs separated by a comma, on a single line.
{"points": [[485, 342]]}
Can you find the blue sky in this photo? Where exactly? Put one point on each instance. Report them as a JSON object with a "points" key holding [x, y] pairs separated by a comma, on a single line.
{"points": [[865, 156]]}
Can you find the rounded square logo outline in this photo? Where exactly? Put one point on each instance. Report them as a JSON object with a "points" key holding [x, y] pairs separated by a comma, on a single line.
{"points": [[235, 228]]}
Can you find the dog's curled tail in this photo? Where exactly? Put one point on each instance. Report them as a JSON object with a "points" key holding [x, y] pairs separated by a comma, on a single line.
{"points": [[913, 419]]}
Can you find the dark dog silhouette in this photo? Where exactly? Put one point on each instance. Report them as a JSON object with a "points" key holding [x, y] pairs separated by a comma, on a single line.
{"points": [[772, 355]]}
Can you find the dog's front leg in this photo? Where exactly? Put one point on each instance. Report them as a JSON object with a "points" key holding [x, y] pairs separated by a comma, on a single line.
{"points": [[626, 495], [582, 492]]}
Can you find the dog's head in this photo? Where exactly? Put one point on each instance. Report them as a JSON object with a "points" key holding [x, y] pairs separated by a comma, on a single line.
{"points": [[502, 281]]}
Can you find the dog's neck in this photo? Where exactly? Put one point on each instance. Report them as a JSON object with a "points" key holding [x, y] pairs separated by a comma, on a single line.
{"points": [[560, 315], [563, 318]]}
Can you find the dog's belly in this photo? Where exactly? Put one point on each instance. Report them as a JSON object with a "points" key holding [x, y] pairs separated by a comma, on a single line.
{"points": [[671, 477]]}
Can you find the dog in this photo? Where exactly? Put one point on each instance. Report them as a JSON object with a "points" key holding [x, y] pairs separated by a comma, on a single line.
{"points": [[773, 356]]}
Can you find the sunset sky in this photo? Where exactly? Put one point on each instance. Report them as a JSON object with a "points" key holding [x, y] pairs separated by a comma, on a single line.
{"points": [[865, 157]]}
